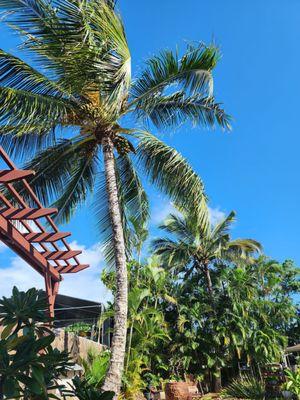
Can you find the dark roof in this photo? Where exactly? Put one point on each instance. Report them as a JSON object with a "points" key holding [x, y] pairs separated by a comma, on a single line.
{"points": [[69, 310]]}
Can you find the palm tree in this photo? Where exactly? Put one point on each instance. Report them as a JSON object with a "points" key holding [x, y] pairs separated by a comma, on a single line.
{"points": [[66, 112], [199, 246], [195, 246]]}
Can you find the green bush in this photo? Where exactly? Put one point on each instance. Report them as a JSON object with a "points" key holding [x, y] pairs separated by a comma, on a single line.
{"points": [[84, 391], [248, 387], [29, 366], [293, 382], [95, 367]]}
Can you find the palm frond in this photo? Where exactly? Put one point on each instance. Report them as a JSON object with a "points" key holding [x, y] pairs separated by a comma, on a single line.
{"points": [[82, 43], [134, 206], [25, 110], [54, 166], [177, 225], [243, 249], [78, 186], [17, 74], [192, 72], [171, 173], [103, 219], [222, 228], [25, 146], [174, 254], [167, 111]]}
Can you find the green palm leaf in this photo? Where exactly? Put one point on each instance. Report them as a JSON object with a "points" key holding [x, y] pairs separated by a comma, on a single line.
{"points": [[134, 196], [173, 110], [54, 167], [192, 72], [22, 109], [25, 146], [78, 186], [170, 172], [17, 74]]}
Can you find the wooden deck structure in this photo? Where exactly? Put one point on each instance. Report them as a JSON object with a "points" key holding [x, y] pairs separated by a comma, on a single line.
{"points": [[23, 222]]}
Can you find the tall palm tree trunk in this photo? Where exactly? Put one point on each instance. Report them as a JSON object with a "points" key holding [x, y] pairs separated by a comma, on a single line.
{"points": [[208, 279], [113, 378], [216, 378]]}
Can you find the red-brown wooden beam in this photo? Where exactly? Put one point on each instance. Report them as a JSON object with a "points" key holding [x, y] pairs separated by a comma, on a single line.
{"points": [[76, 268], [12, 175], [51, 291], [61, 254], [65, 269], [16, 241], [50, 237], [26, 213]]}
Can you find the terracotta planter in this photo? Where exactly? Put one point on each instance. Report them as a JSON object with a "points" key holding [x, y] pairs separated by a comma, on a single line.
{"points": [[177, 391]]}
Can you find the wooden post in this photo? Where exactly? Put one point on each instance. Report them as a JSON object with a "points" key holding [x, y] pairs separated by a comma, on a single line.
{"points": [[51, 291]]}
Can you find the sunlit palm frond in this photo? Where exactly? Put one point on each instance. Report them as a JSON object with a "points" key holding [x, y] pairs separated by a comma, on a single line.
{"points": [[53, 167], [223, 227], [22, 109], [78, 186], [25, 146], [30, 17], [192, 72], [17, 74], [168, 111], [84, 45], [243, 249], [103, 220], [176, 224], [170, 172], [174, 254], [134, 206], [102, 212]]}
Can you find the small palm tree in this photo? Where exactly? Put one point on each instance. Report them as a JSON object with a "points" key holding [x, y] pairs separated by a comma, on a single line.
{"points": [[199, 246], [70, 107]]}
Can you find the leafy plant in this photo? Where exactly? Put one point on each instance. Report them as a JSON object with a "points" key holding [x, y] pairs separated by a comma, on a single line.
{"points": [[84, 391], [29, 366], [78, 327], [95, 367], [293, 382], [248, 387]]}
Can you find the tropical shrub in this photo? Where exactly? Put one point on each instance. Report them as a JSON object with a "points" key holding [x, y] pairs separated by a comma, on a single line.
{"points": [[248, 387], [293, 382], [95, 367], [29, 366], [147, 328], [78, 327], [247, 322], [84, 391]]}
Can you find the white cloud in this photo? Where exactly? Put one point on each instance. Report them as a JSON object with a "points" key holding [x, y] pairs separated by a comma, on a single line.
{"points": [[215, 215], [161, 210], [85, 284]]}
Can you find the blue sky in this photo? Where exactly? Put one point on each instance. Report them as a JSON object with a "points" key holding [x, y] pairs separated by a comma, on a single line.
{"points": [[253, 170]]}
